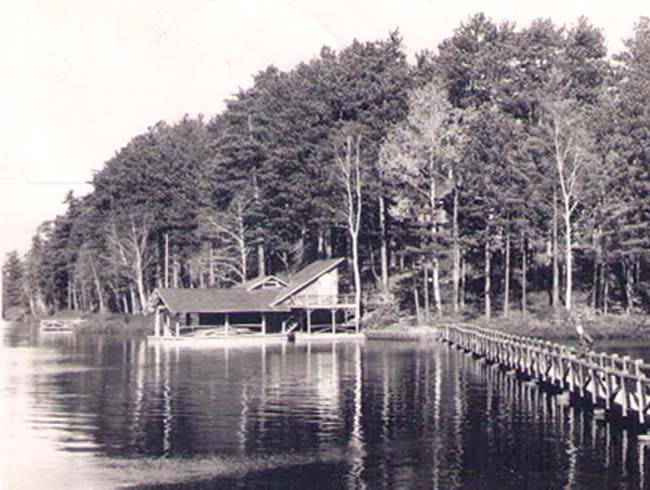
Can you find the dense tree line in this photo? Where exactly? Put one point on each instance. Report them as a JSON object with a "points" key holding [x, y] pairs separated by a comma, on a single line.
{"points": [[506, 163]]}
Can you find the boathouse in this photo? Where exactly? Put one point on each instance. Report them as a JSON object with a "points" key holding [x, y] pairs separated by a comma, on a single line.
{"points": [[309, 301]]}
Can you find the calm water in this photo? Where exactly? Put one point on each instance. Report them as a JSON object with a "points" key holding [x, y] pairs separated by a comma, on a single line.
{"points": [[104, 412]]}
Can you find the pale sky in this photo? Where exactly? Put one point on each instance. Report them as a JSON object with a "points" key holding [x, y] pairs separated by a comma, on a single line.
{"points": [[80, 78]]}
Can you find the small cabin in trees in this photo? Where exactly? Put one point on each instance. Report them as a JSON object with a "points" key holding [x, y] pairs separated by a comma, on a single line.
{"points": [[309, 301]]}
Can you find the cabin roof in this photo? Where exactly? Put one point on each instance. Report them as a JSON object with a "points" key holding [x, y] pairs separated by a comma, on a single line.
{"points": [[232, 300], [243, 297], [258, 281], [305, 277]]}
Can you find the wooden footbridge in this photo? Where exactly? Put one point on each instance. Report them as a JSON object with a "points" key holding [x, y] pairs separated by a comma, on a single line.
{"points": [[618, 384]]}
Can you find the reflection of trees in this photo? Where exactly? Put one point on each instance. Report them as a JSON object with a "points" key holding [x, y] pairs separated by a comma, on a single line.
{"points": [[403, 414]]}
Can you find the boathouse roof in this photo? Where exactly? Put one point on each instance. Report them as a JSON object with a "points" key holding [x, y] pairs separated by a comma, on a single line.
{"points": [[305, 277], [232, 300], [262, 294]]}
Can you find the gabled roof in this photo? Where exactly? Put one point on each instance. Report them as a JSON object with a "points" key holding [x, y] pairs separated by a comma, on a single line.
{"points": [[305, 277], [244, 297], [232, 300], [258, 281]]}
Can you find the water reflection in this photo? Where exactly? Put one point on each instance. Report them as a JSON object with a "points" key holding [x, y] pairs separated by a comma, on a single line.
{"points": [[356, 415]]}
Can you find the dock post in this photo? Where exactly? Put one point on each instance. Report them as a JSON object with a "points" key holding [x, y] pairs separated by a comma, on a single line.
{"points": [[156, 330], [226, 324], [177, 325], [308, 321], [333, 320], [168, 325], [640, 391], [284, 326], [263, 323]]}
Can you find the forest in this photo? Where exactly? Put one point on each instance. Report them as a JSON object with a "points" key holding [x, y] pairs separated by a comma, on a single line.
{"points": [[506, 169]]}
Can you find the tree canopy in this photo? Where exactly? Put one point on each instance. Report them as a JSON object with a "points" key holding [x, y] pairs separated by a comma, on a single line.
{"points": [[507, 162]]}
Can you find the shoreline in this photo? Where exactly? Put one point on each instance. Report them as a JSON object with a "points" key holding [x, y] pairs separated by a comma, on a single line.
{"points": [[602, 327]]}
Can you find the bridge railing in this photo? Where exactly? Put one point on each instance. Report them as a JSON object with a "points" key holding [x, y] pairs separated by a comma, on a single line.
{"points": [[607, 379], [330, 300]]}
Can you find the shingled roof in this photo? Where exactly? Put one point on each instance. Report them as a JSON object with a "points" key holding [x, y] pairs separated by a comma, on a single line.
{"points": [[231, 300], [305, 277], [242, 299]]}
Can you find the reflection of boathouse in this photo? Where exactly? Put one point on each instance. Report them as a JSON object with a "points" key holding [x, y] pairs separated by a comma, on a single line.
{"points": [[310, 301]]}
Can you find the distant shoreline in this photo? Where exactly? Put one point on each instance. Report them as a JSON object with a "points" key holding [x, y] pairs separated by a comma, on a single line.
{"points": [[601, 327]]}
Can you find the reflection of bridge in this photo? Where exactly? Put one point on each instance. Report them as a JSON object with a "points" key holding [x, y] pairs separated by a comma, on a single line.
{"points": [[608, 380]]}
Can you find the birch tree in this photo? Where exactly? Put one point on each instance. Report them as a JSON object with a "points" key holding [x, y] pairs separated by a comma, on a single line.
{"points": [[348, 177], [233, 238], [566, 136], [131, 253], [419, 154]]}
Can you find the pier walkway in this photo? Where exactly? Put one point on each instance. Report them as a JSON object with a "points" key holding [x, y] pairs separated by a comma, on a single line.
{"points": [[616, 383]]}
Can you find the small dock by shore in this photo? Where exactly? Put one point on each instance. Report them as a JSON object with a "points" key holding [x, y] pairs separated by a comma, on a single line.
{"points": [[60, 325]]}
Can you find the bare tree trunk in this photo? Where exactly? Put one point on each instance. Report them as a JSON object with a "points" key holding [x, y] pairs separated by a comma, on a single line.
{"points": [[506, 277], [463, 275], [427, 308], [487, 287], [320, 248], [524, 279], [134, 302], [175, 273], [357, 279], [83, 297], [627, 272], [75, 296], [433, 200], [569, 261], [556, 272], [601, 285], [125, 303], [416, 301], [98, 288], [116, 298], [211, 277], [383, 238], [456, 252], [594, 285], [201, 276], [91, 300], [605, 288], [261, 261], [350, 176], [166, 260], [328, 243], [436, 286]]}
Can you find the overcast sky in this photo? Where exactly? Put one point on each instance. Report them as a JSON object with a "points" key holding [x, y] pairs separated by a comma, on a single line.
{"points": [[79, 78]]}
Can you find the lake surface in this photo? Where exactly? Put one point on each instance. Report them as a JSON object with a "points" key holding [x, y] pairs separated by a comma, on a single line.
{"points": [[84, 411]]}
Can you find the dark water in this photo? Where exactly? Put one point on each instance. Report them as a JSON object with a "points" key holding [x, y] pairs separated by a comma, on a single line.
{"points": [[105, 412]]}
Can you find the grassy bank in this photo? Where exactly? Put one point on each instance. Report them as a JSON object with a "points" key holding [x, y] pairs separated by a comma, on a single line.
{"points": [[561, 327], [544, 325]]}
